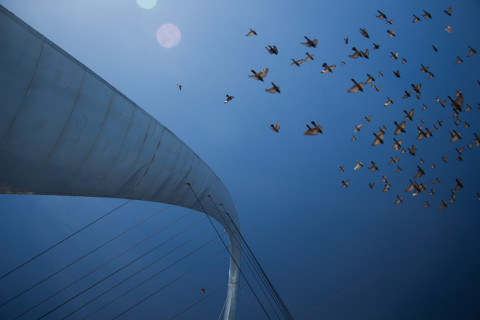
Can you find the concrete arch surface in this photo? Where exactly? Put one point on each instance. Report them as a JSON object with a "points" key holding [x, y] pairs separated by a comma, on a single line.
{"points": [[66, 131]]}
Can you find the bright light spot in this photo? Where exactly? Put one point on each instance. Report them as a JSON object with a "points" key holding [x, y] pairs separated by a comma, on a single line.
{"points": [[168, 35], [147, 4]]}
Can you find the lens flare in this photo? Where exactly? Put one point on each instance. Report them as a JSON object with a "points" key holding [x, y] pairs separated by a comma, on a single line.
{"points": [[168, 35], [147, 4]]}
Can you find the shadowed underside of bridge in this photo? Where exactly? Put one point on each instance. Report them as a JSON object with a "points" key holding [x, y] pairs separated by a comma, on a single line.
{"points": [[65, 131]]}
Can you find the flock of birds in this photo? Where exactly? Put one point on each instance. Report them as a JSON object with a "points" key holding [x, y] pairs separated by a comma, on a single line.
{"points": [[400, 127]]}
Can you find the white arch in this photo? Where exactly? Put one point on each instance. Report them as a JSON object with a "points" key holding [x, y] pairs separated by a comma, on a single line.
{"points": [[65, 131]]}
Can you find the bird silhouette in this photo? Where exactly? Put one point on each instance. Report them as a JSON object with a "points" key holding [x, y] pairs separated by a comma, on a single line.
{"points": [[229, 98], [274, 89], [272, 50], [357, 87], [296, 62], [310, 43], [309, 57], [251, 33], [260, 75], [391, 33], [275, 128], [426, 15], [364, 33]]}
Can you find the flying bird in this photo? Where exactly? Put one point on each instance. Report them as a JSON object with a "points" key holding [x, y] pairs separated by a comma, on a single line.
{"points": [[426, 205], [394, 55], [275, 128], [407, 95], [400, 127], [477, 140], [409, 115], [448, 11], [356, 54], [376, 46], [313, 131], [364, 33], [390, 22], [327, 68], [448, 29], [309, 57], [381, 15], [296, 62], [251, 33], [357, 128], [415, 19], [204, 290], [357, 87], [399, 200], [310, 43], [374, 167], [420, 173], [260, 75], [458, 102], [379, 137], [459, 184], [391, 33], [455, 136], [426, 15], [397, 73], [434, 48], [368, 119], [424, 69], [272, 50], [416, 88], [346, 40], [342, 169], [387, 187], [365, 53], [412, 150], [273, 89], [345, 183], [394, 160], [443, 205], [459, 60], [358, 166], [471, 52], [371, 185], [370, 79], [229, 98], [397, 145]]}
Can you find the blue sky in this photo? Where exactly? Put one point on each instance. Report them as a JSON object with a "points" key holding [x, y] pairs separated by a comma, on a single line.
{"points": [[332, 253]]}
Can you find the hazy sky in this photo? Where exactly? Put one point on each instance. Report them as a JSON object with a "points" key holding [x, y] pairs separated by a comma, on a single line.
{"points": [[331, 252]]}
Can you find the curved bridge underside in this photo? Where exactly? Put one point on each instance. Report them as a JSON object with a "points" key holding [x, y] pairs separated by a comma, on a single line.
{"points": [[65, 131]]}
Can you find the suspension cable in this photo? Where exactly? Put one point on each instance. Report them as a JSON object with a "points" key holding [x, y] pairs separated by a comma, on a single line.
{"points": [[228, 250], [85, 255], [223, 308], [118, 270], [173, 281], [255, 272], [258, 268], [102, 265], [261, 269], [61, 241], [135, 273]]}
